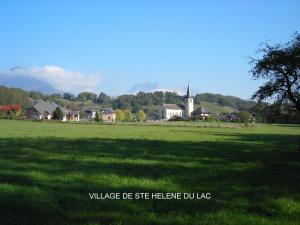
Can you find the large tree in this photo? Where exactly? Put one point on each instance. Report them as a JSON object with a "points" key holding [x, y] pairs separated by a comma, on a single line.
{"points": [[119, 115], [103, 98], [279, 67], [128, 115], [68, 96], [84, 96]]}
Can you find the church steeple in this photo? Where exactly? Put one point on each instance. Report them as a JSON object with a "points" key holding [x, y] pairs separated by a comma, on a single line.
{"points": [[188, 94], [189, 102]]}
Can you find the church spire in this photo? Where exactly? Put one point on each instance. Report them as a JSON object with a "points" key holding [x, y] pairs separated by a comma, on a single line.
{"points": [[188, 94], [189, 102]]}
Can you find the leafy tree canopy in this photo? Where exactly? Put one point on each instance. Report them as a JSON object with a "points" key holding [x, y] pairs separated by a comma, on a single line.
{"points": [[9, 96], [98, 117], [119, 115], [68, 96], [128, 116], [279, 67], [58, 114], [141, 115], [103, 98], [84, 96]]}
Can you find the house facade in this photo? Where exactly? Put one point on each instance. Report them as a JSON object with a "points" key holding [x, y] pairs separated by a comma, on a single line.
{"points": [[89, 114], [108, 115], [71, 115], [200, 114], [44, 110], [229, 117]]}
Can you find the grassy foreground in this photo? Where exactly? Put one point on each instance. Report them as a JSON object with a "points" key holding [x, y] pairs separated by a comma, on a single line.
{"points": [[48, 169]]}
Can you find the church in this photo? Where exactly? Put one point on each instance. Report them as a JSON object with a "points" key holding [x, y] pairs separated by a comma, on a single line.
{"points": [[167, 111]]}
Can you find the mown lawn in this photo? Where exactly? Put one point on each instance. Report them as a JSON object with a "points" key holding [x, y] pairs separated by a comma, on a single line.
{"points": [[48, 169]]}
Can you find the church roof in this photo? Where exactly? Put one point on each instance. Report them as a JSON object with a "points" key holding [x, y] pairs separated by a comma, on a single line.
{"points": [[173, 106]]}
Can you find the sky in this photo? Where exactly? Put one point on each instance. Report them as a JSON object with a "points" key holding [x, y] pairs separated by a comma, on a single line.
{"points": [[113, 45]]}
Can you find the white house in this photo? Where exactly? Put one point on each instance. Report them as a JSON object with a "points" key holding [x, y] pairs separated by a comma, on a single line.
{"points": [[89, 114]]}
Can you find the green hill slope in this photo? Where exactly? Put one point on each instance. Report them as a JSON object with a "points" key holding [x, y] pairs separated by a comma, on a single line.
{"points": [[214, 107]]}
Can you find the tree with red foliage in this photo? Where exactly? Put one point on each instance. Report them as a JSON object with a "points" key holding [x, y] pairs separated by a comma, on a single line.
{"points": [[8, 110]]}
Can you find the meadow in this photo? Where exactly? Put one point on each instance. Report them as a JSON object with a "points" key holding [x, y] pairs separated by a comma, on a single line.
{"points": [[47, 171]]}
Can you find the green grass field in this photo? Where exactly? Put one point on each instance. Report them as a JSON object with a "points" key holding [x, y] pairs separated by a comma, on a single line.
{"points": [[48, 169]]}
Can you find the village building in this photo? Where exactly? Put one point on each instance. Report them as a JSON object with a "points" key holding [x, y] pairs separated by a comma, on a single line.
{"points": [[229, 117], [108, 115], [201, 114], [168, 111], [235, 117], [44, 110], [89, 114]]}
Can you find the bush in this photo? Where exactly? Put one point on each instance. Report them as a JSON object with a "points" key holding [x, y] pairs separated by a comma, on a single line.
{"points": [[58, 114], [212, 118], [128, 116], [10, 111], [176, 118], [120, 115], [244, 117], [141, 116], [98, 117]]}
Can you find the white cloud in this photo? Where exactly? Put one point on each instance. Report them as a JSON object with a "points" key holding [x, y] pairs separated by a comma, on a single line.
{"points": [[61, 79]]}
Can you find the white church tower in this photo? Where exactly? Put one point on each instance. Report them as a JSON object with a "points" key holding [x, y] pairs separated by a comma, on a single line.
{"points": [[189, 103]]}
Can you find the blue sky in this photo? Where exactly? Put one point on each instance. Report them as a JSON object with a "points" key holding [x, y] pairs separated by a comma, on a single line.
{"points": [[122, 43]]}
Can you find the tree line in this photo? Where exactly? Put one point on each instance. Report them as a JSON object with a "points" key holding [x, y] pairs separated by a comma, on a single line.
{"points": [[126, 101], [265, 112], [134, 102]]}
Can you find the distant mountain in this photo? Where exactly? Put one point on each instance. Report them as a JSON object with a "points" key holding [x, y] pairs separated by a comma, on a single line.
{"points": [[27, 83], [152, 87], [145, 87]]}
